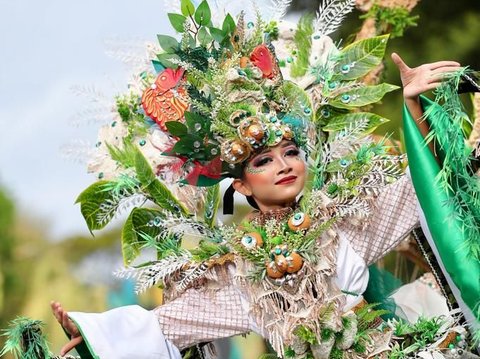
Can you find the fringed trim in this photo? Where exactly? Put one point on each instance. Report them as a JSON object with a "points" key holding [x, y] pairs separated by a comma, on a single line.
{"points": [[313, 301]]}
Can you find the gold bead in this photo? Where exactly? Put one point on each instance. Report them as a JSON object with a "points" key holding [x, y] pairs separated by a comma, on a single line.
{"points": [[239, 149], [295, 262], [255, 131], [299, 224], [281, 263], [273, 271], [287, 133]]}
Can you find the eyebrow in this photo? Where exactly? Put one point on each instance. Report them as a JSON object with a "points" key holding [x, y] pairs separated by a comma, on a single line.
{"points": [[267, 149]]}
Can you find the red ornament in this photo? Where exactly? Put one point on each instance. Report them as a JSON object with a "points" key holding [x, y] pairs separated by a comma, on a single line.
{"points": [[166, 100], [262, 58]]}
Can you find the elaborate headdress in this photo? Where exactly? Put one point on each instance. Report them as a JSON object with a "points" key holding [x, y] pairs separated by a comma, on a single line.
{"points": [[227, 89]]}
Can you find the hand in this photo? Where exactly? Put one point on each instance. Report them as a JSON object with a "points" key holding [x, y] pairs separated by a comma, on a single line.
{"points": [[418, 80], [69, 326]]}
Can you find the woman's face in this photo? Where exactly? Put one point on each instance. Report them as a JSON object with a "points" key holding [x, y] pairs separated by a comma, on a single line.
{"points": [[274, 177]]}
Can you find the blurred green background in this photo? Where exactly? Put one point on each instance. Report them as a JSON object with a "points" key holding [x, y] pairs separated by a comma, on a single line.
{"points": [[34, 270]]}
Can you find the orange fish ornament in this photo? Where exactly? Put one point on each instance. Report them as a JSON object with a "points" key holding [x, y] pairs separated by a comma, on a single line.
{"points": [[166, 100], [263, 58]]}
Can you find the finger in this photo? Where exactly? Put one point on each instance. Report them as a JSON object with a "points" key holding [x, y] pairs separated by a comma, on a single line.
{"points": [[55, 309], [402, 66], [442, 74], [438, 64], [70, 345], [431, 86], [66, 323]]}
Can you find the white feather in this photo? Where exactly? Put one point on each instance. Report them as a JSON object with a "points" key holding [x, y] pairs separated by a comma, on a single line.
{"points": [[331, 14], [79, 151], [279, 8], [152, 274]]}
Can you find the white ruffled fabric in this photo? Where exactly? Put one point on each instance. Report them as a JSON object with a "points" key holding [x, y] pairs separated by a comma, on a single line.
{"points": [[133, 332], [124, 333]]}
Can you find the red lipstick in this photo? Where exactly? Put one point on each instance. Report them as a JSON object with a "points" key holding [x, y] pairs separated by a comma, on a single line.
{"points": [[286, 180]]}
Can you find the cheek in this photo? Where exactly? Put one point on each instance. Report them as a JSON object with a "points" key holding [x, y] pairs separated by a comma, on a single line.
{"points": [[258, 178], [299, 166]]}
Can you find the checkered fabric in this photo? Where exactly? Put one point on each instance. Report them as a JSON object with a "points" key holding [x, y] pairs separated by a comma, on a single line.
{"points": [[393, 217], [199, 316]]}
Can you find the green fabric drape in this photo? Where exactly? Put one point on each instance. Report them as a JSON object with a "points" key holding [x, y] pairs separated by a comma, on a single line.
{"points": [[446, 229]]}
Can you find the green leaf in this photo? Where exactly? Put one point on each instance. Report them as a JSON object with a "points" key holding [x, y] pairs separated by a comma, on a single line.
{"points": [[362, 96], [125, 156], [211, 205], [176, 128], [357, 59], [204, 37], [166, 60], [298, 100], [203, 14], [341, 122], [157, 65], [218, 35], [177, 21], [168, 43], [187, 7], [228, 25], [91, 200], [192, 118], [183, 147], [156, 190], [137, 223], [303, 42]]}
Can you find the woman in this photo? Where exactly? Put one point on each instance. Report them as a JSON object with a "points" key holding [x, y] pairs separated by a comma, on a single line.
{"points": [[296, 270]]}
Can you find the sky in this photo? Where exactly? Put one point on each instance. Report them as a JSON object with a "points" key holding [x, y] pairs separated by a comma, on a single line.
{"points": [[46, 48]]}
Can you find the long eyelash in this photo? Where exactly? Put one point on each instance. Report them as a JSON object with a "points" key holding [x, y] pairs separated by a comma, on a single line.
{"points": [[292, 152], [261, 161]]}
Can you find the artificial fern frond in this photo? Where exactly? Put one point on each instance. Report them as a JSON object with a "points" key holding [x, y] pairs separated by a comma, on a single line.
{"points": [[331, 14], [279, 8], [78, 151], [156, 272], [191, 275], [25, 340]]}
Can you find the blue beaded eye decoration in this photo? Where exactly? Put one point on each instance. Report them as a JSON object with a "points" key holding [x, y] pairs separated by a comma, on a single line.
{"points": [[346, 98]]}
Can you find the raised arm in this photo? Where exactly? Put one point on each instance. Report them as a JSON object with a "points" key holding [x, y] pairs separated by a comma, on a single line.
{"points": [[418, 80]]}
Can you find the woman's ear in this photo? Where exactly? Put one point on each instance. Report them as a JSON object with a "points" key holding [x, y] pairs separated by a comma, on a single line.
{"points": [[242, 187]]}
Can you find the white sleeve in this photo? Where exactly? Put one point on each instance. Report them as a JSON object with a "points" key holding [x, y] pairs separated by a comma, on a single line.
{"points": [[124, 333]]}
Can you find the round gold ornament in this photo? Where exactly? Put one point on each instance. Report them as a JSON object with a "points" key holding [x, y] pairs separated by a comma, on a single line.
{"points": [[287, 133], [295, 262], [255, 131], [238, 149], [281, 263], [299, 222], [234, 151], [273, 271]]}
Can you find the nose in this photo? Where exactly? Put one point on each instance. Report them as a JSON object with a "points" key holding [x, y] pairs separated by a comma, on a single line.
{"points": [[284, 166]]}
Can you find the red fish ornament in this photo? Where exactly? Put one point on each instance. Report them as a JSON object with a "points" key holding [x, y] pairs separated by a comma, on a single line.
{"points": [[263, 58], [166, 100]]}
